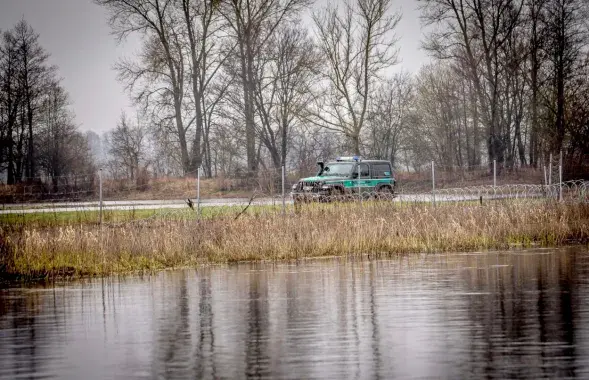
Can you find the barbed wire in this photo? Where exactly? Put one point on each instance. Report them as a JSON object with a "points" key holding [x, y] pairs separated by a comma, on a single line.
{"points": [[570, 191], [576, 190], [471, 180]]}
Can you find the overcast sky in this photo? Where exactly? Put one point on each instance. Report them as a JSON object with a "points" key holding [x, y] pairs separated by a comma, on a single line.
{"points": [[76, 35]]}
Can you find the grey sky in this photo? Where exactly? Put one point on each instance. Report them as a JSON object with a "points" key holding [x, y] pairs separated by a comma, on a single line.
{"points": [[76, 34]]}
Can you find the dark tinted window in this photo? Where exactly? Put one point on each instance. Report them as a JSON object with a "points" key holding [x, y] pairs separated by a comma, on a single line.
{"points": [[381, 170], [364, 171]]}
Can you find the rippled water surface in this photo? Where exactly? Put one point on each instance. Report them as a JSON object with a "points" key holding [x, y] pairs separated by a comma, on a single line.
{"points": [[487, 315]]}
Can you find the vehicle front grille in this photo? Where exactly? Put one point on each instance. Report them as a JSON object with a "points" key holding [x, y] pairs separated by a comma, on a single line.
{"points": [[305, 185]]}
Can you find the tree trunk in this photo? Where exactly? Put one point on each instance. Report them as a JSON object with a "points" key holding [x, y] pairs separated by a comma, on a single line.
{"points": [[534, 84], [283, 142], [560, 77], [198, 65], [31, 147], [356, 143], [250, 131], [12, 114], [475, 127], [246, 76], [177, 94], [559, 108], [181, 134]]}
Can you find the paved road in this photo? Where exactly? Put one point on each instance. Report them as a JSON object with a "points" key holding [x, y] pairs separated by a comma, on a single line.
{"points": [[180, 203], [130, 205]]}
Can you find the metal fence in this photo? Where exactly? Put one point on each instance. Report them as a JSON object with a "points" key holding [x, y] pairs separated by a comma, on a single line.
{"points": [[433, 184]]}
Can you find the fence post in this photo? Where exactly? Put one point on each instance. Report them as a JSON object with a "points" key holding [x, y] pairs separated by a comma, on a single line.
{"points": [[494, 177], [560, 178], [198, 192], [283, 192], [433, 184], [494, 173], [545, 182], [100, 194], [550, 171], [358, 183]]}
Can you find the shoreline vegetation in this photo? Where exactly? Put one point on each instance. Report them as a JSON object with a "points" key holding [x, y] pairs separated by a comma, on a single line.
{"points": [[46, 248]]}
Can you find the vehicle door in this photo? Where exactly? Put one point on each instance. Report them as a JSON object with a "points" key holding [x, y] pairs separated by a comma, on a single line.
{"points": [[381, 174], [362, 182]]}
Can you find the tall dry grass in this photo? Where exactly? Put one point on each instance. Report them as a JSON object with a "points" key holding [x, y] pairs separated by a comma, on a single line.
{"points": [[346, 229]]}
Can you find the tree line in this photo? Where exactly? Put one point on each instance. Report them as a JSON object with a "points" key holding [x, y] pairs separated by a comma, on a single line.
{"points": [[511, 74], [38, 134], [235, 87]]}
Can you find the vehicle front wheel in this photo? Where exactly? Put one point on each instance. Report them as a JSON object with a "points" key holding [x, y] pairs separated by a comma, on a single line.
{"points": [[385, 193], [336, 194]]}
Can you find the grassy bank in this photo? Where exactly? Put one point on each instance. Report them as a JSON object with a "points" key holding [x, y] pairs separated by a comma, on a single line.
{"points": [[79, 249], [67, 218]]}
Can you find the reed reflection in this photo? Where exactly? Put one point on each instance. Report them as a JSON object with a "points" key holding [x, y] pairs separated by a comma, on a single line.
{"points": [[506, 315]]}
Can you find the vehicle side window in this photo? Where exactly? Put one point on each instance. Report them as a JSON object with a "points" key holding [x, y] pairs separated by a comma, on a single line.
{"points": [[364, 171], [381, 170]]}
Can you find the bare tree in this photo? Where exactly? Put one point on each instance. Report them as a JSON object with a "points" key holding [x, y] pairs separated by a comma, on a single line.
{"points": [[253, 23], [62, 150], [566, 36], [24, 74], [578, 121], [439, 116], [284, 77], [163, 54], [127, 146], [34, 73], [204, 29], [535, 13], [10, 100], [474, 32], [358, 45], [391, 117]]}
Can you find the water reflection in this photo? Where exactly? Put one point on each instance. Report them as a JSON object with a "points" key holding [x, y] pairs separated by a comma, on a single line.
{"points": [[496, 315]]}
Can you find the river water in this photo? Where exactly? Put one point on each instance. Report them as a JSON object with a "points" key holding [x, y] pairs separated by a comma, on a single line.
{"points": [[521, 314]]}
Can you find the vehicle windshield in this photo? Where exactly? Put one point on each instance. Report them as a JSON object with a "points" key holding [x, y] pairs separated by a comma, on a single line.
{"points": [[339, 169]]}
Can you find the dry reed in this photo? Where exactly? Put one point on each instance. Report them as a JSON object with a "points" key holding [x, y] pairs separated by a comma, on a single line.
{"points": [[344, 229]]}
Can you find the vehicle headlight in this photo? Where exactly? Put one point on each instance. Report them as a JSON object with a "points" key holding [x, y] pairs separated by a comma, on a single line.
{"points": [[294, 187]]}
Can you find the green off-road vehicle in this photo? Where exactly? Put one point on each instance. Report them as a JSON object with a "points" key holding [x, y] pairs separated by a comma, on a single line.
{"points": [[346, 176]]}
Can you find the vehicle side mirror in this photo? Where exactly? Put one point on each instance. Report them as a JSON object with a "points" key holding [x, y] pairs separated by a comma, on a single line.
{"points": [[354, 175]]}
